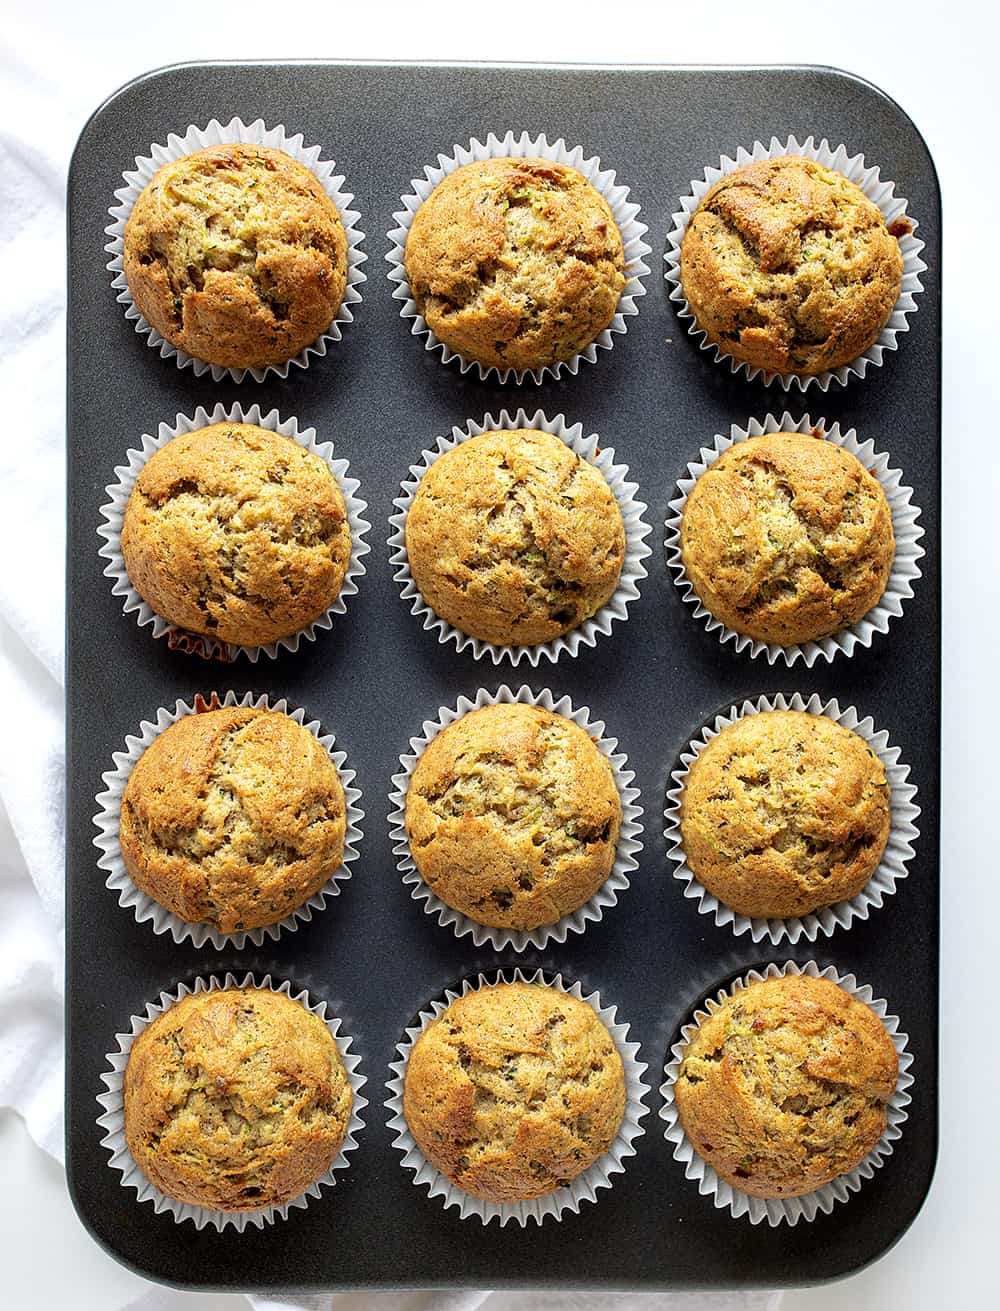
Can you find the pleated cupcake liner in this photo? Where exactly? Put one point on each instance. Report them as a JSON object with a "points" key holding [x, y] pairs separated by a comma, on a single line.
{"points": [[113, 514], [903, 831], [629, 837], [907, 532], [112, 1120], [214, 134], [787, 1210], [624, 492], [584, 1187], [146, 909], [880, 193], [626, 215]]}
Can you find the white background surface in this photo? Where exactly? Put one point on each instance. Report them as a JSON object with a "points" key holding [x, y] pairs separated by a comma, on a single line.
{"points": [[59, 60]]}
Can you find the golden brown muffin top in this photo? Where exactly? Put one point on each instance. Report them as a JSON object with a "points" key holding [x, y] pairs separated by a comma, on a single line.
{"points": [[235, 1100], [785, 1086], [788, 266], [236, 533], [513, 538], [512, 816], [515, 263], [787, 538], [233, 818], [236, 255], [514, 1090], [784, 812]]}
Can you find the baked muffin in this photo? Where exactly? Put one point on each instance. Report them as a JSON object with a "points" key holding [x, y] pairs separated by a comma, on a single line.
{"points": [[515, 263], [514, 539], [788, 266], [514, 1090], [785, 1086], [512, 816], [787, 538], [235, 1100], [233, 818], [236, 533], [783, 813], [236, 255]]}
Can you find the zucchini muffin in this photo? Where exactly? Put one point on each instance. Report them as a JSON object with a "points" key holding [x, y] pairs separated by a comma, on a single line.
{"points": [[786, 1085], [787, 538], [783, 813], [515, 263], [236, 255], [512, 816], [514, 539], [789, 267], [235, 1100], [514, 1090], [236, 533], [233, 818]]}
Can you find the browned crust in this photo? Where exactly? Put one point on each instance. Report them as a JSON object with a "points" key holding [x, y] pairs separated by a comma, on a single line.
{"points": [[236, 255], [514, 1091]]}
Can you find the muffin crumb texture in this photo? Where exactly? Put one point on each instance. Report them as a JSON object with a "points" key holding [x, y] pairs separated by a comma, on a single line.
{"points": [[514, 538], [783, 813], [235, 1100], [513, 816], [787, 538], [237, 534], [789, 267], [236, 255], [233, 818], [785, 1086], [514, 1090], [515, 263]]}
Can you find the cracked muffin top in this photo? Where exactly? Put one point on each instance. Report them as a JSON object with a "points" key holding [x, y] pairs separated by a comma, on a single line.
{"points": [[513, 538], [514, 1090], [512, 816], [236, 255], [787, 538], [236, 533], [788, 266], [235, 1100], [785, 812], [515, 263], [233, 817], [785, 1086]]}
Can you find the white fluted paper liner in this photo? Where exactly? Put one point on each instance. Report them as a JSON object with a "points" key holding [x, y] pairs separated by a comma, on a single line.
{"points": [[581, 1189], [632, 511], [113, 1118], [880, 193], [903, 831], [113, 514], [907, 532], [626, 215], [214, 134], [629, 837], [145, 908], [788, 1210]]}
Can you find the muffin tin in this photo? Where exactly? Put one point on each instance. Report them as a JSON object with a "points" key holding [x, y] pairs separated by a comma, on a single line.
{"points": [[377, 675]]}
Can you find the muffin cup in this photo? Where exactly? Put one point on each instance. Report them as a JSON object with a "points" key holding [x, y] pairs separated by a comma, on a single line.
{"points": [[523, 147], [789, 1210], [906, 531], [581, 1189], [112, 1121], [903, 831], [632, 510], [214, 134], [629, 838], [146, 908], [878, 192], [113, 513]]}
